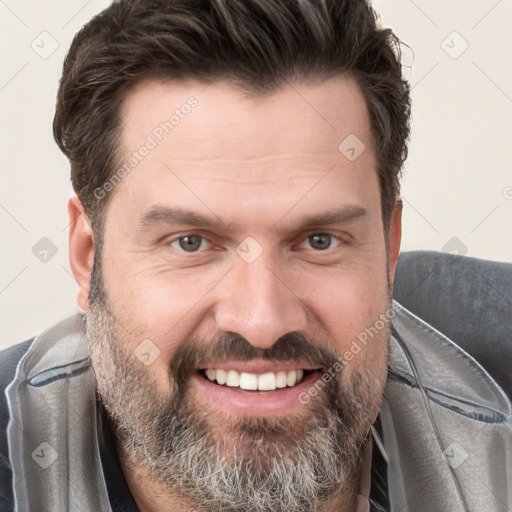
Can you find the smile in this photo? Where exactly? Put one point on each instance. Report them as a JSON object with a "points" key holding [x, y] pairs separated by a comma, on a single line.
{"points": [[256, 387], [253, 382]]}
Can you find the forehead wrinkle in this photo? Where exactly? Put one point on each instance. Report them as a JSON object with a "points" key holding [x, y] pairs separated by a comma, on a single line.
{"points": [[256, 171], [265, 158]]}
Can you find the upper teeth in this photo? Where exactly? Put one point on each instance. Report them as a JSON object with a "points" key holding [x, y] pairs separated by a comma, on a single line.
{"points": [[251, 381]]}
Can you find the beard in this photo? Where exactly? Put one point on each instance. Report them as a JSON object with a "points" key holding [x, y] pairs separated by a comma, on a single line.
{"points": [[295, 462]]}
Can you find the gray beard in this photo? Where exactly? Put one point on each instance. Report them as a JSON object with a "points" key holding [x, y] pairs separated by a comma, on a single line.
{"points": [[250, 465]]}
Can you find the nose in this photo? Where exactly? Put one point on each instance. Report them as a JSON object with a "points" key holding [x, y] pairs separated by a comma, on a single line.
{"points": [[257, 303]]}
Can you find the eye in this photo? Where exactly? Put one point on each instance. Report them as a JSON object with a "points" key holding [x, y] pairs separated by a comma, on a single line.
{"points": [[190, 243], [321, 241]]}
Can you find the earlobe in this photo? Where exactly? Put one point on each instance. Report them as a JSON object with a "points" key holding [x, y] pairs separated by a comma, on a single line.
{"points": [[394, 239], [81, 249]]}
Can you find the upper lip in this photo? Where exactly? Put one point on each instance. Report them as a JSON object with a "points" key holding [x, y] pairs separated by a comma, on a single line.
{"points": [[258, 366]]}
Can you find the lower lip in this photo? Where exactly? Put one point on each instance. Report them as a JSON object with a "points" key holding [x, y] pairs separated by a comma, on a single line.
{"points": [[253, 403]]}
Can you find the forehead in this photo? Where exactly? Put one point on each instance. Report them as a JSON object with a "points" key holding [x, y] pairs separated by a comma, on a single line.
{"points": [[223, 150], [297, 113]]}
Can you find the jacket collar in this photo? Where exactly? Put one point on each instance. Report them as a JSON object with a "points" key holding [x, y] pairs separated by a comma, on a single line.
{"points": [[446, 426]]}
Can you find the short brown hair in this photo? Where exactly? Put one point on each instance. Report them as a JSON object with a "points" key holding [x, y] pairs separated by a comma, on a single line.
{"points": [[256, 44]]}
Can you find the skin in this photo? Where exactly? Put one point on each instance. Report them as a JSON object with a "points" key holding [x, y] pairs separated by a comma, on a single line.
{"points": [[258, 166]]}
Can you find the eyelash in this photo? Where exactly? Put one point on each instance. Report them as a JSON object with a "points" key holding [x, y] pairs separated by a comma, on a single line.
{"points": [[335, 238]]}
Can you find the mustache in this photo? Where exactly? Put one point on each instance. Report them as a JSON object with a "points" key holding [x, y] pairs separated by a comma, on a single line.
{"points": [[294, 346]]}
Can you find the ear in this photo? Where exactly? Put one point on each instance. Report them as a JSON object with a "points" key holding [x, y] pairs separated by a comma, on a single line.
{"points": [[394, 239], [81, 250]]}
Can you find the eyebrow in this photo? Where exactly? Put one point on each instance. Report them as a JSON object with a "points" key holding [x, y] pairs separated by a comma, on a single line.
{"points": [[349, 213], [163, 215]]}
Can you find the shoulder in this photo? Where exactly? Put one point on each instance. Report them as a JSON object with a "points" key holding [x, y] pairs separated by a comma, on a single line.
{"points": [[467, 299], [9, 359]]}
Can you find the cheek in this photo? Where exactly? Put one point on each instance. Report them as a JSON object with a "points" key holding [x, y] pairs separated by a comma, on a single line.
{"points": [[347, 302], [154, 296], [163, 306]]}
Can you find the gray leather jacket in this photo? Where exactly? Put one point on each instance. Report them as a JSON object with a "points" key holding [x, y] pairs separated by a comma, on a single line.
{"points": [[446, 426]]}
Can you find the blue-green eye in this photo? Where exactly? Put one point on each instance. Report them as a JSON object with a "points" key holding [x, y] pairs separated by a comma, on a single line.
{"points": [[190, 243], [321, 241]]}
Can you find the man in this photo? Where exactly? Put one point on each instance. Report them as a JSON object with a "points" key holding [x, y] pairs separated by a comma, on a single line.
{"points": [[234, 236]]}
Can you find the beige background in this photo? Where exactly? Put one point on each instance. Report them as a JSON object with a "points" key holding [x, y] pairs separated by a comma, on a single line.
{"points": [[457, 188]]}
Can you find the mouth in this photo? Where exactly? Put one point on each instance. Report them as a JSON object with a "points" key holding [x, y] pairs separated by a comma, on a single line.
{"points": [[268, 381], [256, 388]]}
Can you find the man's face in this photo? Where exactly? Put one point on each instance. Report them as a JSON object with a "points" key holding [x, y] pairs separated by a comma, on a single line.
{"points": [[243, 245]]}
